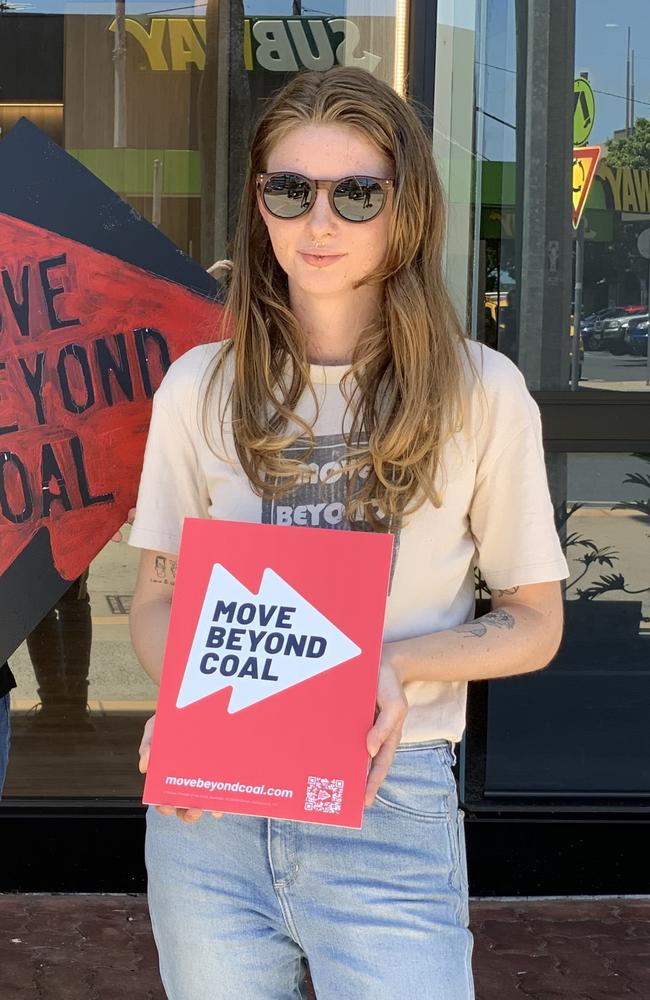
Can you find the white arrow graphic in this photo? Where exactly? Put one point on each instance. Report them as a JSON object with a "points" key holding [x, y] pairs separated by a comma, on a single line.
{"points": [[258, 644]]}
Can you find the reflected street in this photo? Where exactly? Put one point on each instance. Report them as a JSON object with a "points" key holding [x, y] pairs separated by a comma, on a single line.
{"points": [[602, 370]]}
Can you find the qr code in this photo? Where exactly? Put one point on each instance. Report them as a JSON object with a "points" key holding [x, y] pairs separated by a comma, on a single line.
{"points": [[324, 795]]}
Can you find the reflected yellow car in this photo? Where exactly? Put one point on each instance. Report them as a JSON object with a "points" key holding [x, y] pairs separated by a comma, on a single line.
{"points": [[494, 301]]}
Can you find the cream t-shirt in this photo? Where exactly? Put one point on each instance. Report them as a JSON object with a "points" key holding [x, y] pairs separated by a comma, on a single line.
{"points": [[496, 510]]}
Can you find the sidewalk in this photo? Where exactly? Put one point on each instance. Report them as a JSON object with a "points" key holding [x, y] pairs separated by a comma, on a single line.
{"points": [[100, 948]]}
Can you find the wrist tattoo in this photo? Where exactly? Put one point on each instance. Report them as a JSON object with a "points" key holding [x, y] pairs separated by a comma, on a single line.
{"points": [[497, 619], [503, 593]]}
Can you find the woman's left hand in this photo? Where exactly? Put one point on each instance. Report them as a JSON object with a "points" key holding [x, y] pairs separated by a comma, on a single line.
{"points": [[386, 733]]}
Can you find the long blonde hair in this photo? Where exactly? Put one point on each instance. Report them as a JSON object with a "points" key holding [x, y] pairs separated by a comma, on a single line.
{"points": [[406, 372]]}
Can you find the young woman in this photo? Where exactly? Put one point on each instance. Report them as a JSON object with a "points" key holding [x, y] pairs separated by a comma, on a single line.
{"points": [[346, 354]]}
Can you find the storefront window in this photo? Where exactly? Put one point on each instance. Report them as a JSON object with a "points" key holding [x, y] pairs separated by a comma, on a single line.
{"points": [[566, 300], [163, 119], [82, 698], [494, 319], [522, 225], [453, 141], [156, 100], [610, 56], [606, 262], [578, 730]]}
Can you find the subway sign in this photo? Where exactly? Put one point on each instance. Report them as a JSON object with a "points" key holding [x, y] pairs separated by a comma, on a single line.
{"points": [[629, 188], [281, 45]]}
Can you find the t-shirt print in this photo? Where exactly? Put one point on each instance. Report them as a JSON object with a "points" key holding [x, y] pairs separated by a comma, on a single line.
{"points": [[319, 501]]}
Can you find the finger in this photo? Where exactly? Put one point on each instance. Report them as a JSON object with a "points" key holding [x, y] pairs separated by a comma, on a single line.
{"points": [[165, 810], [145, 745], [381, 766], [117, 537], [217, 815], [143, 761], [130, 517], [189, 815], [390, 717]]}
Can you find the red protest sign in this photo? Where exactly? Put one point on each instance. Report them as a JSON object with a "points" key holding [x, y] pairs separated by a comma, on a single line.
{"points": [[86, 337], [270, 672]]}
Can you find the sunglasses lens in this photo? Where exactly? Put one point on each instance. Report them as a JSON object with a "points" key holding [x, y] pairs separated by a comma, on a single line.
{"points": [[287, 195], [358, 199]]}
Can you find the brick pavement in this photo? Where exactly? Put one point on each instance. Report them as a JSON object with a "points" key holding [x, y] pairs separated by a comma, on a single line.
{"points": [[100, 948]]}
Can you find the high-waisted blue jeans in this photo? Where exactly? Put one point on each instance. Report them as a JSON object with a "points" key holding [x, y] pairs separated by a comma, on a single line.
{"points": [[380, 913]]}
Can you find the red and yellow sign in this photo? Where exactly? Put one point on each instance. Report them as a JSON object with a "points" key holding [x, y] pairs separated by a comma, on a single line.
{"points": [[585, 161]]}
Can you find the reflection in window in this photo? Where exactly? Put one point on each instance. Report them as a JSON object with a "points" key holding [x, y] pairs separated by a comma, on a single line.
{"points": [[579, 728], [612, 348], [614, 321], [162, 119], [82, 698]]}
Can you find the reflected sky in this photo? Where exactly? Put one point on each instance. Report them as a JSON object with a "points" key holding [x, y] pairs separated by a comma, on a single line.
{"points": [[601, 52]]}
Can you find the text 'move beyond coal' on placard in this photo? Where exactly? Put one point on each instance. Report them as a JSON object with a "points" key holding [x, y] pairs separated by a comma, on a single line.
{"points": [[270, 671]]}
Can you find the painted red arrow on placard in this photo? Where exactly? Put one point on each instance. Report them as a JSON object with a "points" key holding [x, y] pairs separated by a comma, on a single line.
{"points": [[86, 339]]}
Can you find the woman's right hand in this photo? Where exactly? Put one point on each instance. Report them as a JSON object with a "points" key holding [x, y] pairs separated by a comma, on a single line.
{"points": [[187, 815]]}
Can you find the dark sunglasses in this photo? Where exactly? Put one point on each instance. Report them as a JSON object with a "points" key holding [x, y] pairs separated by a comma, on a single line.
{"points": [[355, 199]]}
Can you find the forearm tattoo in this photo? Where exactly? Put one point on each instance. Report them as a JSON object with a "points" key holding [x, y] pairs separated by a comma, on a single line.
{"points": [[496, 619], [164, 570], [503, 593]]}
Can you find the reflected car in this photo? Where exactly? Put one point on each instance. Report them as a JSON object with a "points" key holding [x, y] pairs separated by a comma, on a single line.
{"points": [[612, 337], [592, 326], [590, 337], [636, 337], [494, 301]]}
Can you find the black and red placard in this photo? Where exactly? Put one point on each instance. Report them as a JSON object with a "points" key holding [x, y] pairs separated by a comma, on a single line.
{"points": [[95, 304]]}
